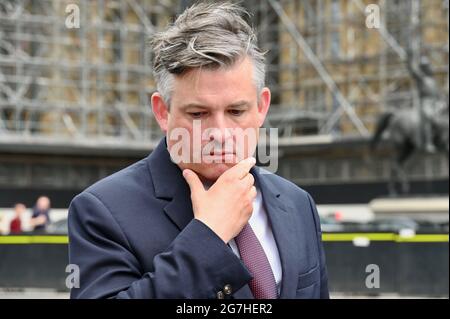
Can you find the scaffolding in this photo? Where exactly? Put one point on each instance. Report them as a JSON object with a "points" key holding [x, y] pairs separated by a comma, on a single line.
{"points": [[329, 73], [336, 75]]}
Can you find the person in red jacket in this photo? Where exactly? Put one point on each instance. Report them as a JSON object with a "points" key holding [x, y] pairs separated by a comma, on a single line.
{"points": [[15, 227]]}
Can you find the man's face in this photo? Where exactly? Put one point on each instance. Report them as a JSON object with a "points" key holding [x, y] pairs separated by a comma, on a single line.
{"points": [[215, 107], [43, 203]]}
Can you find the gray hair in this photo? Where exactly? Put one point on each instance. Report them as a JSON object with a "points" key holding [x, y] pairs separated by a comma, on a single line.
{"points": [[205, 35]]}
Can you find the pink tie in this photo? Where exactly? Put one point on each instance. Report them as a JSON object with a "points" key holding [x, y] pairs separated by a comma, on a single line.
{"points": [[263, 284]]}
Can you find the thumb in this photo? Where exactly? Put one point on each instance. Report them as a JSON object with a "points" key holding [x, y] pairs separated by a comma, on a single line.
{"points": [[194, 182]]}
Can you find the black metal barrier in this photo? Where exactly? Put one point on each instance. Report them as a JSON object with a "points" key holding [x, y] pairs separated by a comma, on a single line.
{"points": [[412, 266], [415, 266], [33, 262]]}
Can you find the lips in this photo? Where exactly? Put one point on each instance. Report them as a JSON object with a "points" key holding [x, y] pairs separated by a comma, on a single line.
{"points": [[221, 154], [218, 153]]}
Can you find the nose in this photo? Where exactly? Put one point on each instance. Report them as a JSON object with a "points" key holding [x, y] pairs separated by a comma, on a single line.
{"points": [[218, 131]]}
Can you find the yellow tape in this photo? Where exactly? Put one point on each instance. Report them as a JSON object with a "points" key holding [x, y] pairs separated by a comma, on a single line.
{"points": [[34, 239], [352, 236], [424, 238], [420, 238], [326, 237]]}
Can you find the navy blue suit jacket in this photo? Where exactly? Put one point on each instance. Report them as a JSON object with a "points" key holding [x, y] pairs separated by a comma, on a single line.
{"points": [[133, 235]]}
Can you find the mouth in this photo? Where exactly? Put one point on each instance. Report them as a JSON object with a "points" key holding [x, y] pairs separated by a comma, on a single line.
{"points": [[219, 153], [219, 157]]}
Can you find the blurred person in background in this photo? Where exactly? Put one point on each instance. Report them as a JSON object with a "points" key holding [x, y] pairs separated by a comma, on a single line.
{"points": [[15, 226], [40, 218]]}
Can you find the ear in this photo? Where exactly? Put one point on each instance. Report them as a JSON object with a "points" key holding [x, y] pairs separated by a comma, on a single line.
{"points": [[160, 110], [263, 105]]}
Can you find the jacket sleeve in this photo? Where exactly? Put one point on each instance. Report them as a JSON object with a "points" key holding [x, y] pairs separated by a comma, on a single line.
{"points": [[197, 264], [324, 293]]}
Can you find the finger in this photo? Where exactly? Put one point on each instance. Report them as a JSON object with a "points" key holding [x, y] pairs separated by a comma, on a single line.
{"points": [[248, 180], [253, 192], [193, 181], [241, 169]]}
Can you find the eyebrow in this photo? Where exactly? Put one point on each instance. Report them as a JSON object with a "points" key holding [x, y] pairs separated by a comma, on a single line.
{"points": [[202, 106], [240, 103]]}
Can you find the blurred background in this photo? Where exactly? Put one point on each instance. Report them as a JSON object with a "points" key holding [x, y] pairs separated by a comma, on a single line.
{"points": [[359, 97]]}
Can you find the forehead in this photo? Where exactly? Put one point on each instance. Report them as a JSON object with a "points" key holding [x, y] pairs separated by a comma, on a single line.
{"points": [[209, 86]]}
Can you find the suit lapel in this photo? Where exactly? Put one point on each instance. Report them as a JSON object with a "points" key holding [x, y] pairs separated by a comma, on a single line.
{"points": [[281, 217], [179, 210], [170, 185]]}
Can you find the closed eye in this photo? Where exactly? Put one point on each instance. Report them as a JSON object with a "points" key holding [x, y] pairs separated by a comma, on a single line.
{"points": [[236, 112], [197, 115]]}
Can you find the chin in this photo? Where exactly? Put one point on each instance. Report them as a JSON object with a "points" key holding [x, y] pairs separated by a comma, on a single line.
{"points": [[213, 171]]}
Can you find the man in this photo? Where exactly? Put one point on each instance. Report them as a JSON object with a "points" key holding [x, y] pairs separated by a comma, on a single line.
{"points": [[41, 214], [205, 223]]}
